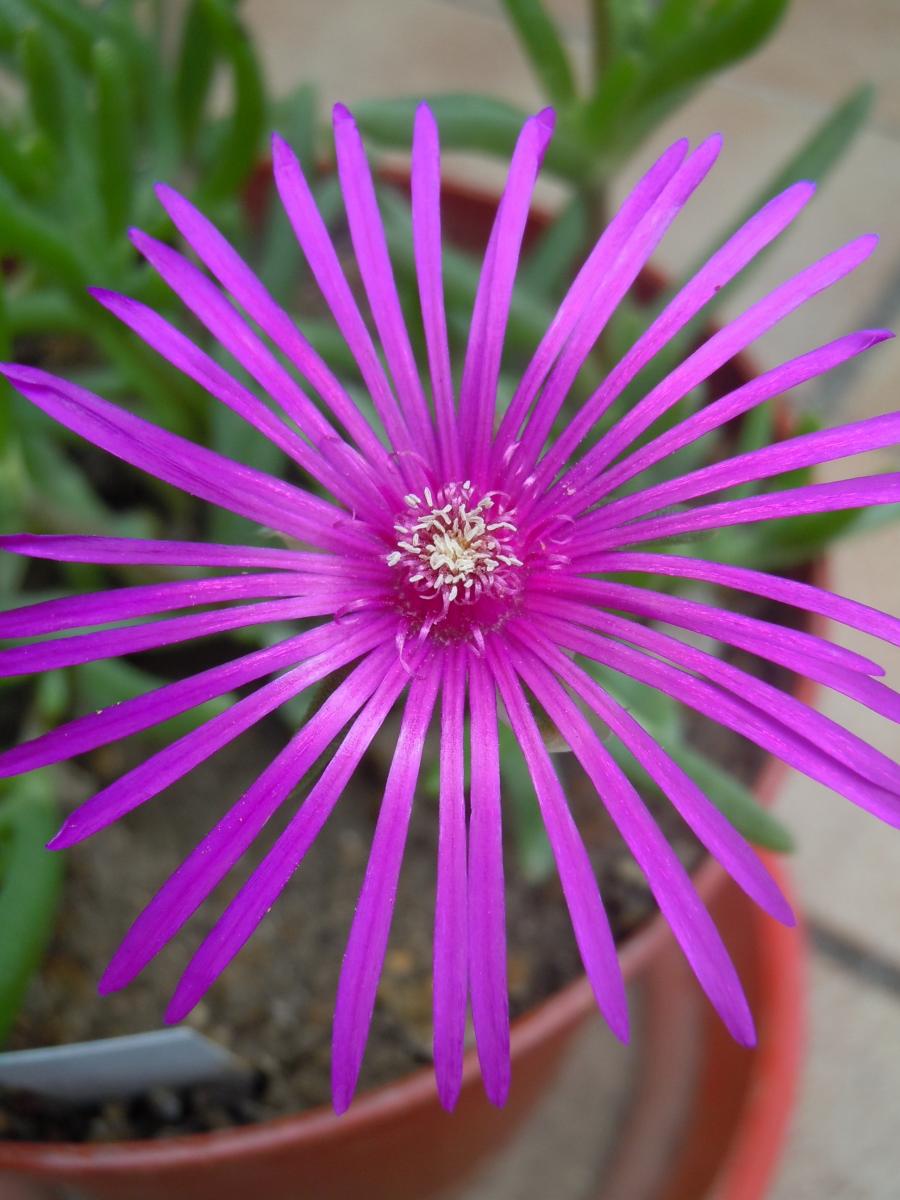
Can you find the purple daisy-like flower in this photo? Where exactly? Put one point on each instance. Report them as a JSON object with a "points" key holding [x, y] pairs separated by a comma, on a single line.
{"points": [[466, 564]]}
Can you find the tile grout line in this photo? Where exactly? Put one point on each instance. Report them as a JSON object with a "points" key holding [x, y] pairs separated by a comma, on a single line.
{"points": [[868, 965]]}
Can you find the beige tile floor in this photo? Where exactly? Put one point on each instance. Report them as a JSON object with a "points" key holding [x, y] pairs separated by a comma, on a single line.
{"points": [[844, 1144]]}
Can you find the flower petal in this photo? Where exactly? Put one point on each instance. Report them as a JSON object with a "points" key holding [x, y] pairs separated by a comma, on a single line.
{"points": [[364, 955], [791, 712], [152, 708], [740, 249], [326, 268], [757, 583], [481, 368], [262, 889], [199, 472], [164, 768], [622, 273], [181, 352], [582, 485], [370, 248], [714, 830], [751, 722], [790, 647], [589, 279], [589, 920], [792, 454], [755, 391], [145, 552], [487, 920], [671, 886], [147, 600], [213, 858], [868, 490], [450, 913], [426, 227], [112, 643], [235, 276]]}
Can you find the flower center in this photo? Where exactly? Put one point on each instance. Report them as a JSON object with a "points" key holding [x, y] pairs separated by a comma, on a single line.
{"points": [[456, 550]]}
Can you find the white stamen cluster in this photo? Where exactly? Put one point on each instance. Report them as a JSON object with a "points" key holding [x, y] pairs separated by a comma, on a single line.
{"points": [[449, 546]]}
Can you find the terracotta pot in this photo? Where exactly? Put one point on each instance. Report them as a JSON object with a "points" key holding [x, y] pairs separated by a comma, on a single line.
{"points": [[728, 1131], [396, 1143]]}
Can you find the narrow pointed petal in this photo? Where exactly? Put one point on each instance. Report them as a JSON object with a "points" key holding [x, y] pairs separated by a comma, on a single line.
{"points": [[622, 273], [167, 766], [714, 830], [804, 596], [112, 643], [692, 925], [481, 370], [326, 268], [425, 185], [188, 358], [152, 708], [366, 946], [789, 647], [370, 248], [146, 552], [194, 469], [231, 331], [147, 600], [487, 906], [450, 913], [792, 454], [213, 858], [714, 352], [242, 916], [866, 491], [579, 884], [235, 276], [755, 391], [724, 265], [589, 279], [746, 719], [862, 758]]}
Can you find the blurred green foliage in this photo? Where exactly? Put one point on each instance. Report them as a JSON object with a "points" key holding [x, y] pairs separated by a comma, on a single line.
{"points": [[105, 98]]}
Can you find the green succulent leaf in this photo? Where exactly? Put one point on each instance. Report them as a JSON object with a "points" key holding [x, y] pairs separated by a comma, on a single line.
{"points": [[103, 684], [236, 150], [723, 34], [27, 234], [544, 49], [468, 121], [732, 798], [114, 135], [602, 116], [80, 24], [551, 261], [30, 884], [194, 72], [42, 74], [533, 852]]}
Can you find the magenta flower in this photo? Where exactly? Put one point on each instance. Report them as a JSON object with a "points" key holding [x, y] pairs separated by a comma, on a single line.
{"points": [[463, 563]]}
